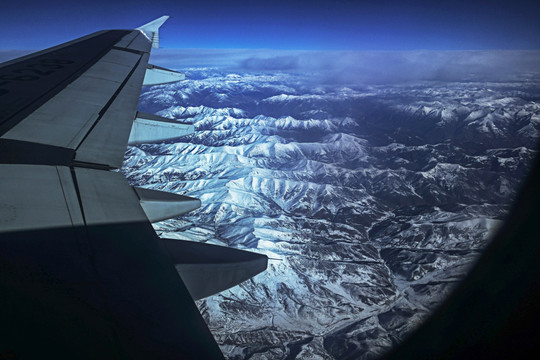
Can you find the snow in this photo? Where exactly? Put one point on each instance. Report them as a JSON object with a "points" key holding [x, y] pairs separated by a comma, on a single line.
{"points": [[370, 203]]}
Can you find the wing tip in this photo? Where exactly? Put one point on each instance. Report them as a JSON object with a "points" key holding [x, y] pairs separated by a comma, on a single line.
{"points": [[155, 24], [151, 29]]}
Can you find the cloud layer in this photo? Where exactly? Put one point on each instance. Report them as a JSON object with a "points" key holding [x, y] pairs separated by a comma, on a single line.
{"points": [[358, 67], [366, 66]]}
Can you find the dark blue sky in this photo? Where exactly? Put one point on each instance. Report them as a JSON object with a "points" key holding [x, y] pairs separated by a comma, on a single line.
{"points": [[319, 25]]}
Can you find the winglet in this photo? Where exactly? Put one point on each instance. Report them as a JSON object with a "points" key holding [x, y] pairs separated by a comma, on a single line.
{"points": [[151, 30]]}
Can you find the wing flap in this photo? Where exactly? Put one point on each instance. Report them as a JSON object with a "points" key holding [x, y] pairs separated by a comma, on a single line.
{"points": [[106, 142], [31, 198], [106, 197]]}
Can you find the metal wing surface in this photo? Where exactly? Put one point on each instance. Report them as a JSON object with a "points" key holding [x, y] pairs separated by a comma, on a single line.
{"points": [[82, 272]]}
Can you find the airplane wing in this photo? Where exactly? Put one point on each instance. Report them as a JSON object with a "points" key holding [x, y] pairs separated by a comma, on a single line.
{"points": [[82, 272]]}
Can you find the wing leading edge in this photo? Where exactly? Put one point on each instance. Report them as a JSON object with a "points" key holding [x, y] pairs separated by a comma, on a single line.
{"points": [[82, 272]]}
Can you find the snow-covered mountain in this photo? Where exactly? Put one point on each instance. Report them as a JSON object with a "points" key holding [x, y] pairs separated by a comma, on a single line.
{"points": [[370, 201]]}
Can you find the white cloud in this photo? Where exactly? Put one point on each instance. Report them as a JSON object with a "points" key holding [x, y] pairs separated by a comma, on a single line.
{"points": [[358, 67], [366, 66]]}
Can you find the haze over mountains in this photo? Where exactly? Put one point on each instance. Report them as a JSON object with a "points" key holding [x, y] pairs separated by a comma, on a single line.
{"points": [[371, 198]]}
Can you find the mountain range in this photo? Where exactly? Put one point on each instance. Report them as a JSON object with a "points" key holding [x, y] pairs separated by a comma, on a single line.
{"points": [[371, 201]]}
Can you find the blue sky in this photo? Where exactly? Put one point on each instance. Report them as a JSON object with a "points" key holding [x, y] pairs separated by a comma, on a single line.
{"points": [[301, 25]]}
